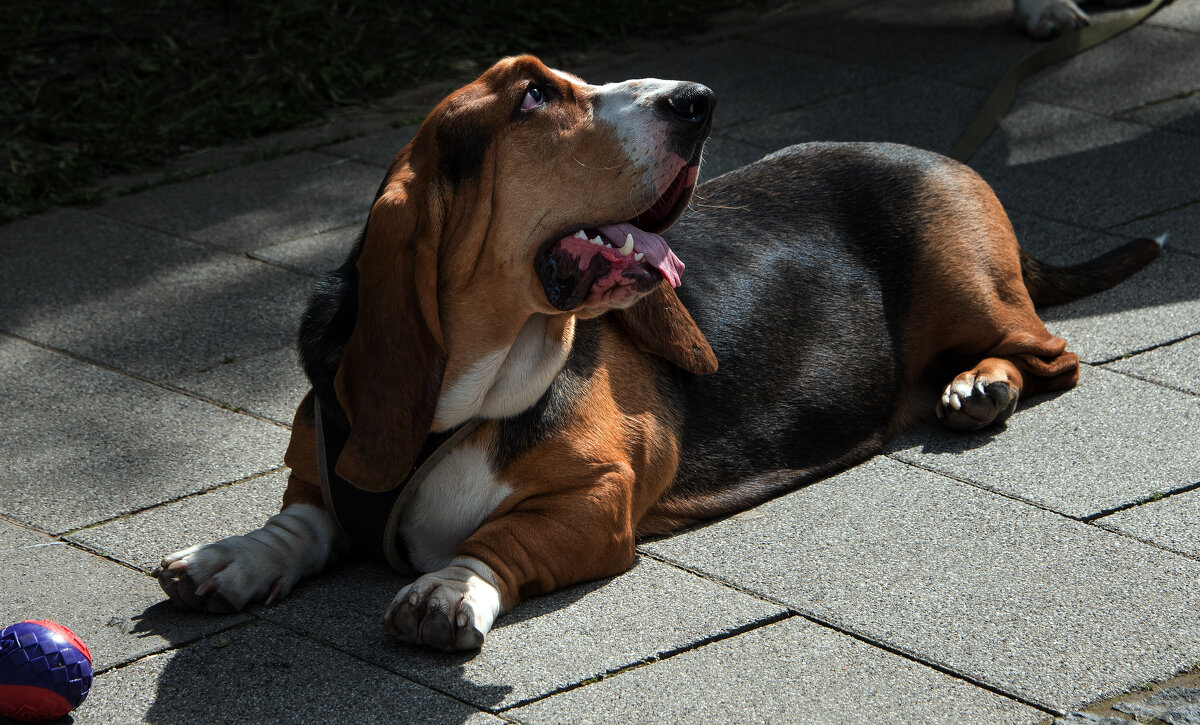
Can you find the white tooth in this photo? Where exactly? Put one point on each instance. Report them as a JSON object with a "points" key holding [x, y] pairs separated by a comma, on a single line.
{"points": [[628, 248], [638, 257], [580, 234], [597, 241], [609, 245]]}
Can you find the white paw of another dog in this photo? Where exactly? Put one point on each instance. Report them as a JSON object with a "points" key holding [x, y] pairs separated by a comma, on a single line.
{"points": [[449, 609], [1049, 18], [266, 563]]}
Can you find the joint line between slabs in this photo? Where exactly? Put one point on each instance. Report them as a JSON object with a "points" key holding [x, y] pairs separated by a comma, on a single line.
{"points": [[1153, 544], [161, 385], [655, 658], [306, 634], [868, 639], [177, 499], [213, 246], [985, 487], [1188, 488], [1142, 351], [172, 647]]}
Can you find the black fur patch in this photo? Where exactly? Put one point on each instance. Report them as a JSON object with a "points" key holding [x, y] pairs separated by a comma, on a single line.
{"points": [[555, 409], [797, 272], [566, 286], [326, 326], [327, 322], [462, 142]]}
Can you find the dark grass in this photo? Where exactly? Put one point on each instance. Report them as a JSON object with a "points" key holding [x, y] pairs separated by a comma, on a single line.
{"points": [[92, 89]]}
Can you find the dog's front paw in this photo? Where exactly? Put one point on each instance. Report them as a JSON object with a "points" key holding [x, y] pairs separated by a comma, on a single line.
{"points": [[1049, 18], [222, 577], [229, 574], [974, 400], [450, 609]]}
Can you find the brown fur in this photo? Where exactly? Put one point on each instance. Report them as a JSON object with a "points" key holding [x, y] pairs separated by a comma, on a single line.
{"points": [[972, 312], [600, 474]]}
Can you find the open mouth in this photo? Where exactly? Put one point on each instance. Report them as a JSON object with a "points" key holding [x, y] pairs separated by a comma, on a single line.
{"points": [[610, 263]]}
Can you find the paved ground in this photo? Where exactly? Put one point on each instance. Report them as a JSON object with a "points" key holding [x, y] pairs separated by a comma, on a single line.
{"points": [[147, 379]]}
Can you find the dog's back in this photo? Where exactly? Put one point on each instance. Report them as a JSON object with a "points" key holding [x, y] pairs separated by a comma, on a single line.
{"points": [[809, 272]]}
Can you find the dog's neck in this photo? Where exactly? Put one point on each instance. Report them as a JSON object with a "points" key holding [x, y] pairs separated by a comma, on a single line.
{"points": [[498, 373]]}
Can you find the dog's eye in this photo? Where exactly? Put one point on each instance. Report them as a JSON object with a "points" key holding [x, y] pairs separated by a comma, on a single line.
{"points": [[534, 97]]}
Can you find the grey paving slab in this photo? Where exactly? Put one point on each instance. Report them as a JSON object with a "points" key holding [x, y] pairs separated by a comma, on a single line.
{"points": [[315, 255], [795, 79], [138, 300], [1180, 15], [1182, 224], [545, 644], [789, 672], [966, 41], [1179, 113], [1058, 242], [143, 538], [1160, 304], [1033, 133], [1145, 64], [14, 537], [1071, 452], [1053, 610], [377, 149], [1169, 522], [257, 205], [1087, 169], [917, 111], [270, 384], [261, 673], [120, 614], [81, 444], [1176, 365]]}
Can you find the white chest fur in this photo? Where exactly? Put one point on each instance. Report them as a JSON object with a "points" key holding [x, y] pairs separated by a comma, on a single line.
{"points": [[449, 506], [505, 382]]}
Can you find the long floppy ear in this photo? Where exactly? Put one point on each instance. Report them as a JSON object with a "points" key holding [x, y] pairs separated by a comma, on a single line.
{"points": [[659, 324], [391, 369]]}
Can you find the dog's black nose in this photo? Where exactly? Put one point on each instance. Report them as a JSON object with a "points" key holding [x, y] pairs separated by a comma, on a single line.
{"points": [[692, 103]]}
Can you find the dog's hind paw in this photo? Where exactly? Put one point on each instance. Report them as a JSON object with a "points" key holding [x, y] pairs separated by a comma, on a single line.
{"points": [[449, 609], [974, 400], [266, 563]]}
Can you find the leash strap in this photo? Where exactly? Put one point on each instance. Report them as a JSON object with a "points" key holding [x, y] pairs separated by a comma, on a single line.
{"points": [[1005, 92], [371, 519]]}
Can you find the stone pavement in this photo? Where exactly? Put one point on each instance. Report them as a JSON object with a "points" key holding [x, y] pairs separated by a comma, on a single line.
{"points": [[147, 380]]}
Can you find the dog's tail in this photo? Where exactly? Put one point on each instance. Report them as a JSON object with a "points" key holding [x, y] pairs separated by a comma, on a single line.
{"points": [[1052, 285]]}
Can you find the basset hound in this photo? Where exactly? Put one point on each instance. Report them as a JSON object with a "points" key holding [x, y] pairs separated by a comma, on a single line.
{"points": [[513, 377]]}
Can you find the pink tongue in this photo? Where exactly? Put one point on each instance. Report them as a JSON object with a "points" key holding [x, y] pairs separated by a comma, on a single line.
{"points": [[658, 254]]}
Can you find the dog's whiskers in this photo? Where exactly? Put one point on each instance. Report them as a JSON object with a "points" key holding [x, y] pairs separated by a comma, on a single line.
{"points": [[618, 165]]}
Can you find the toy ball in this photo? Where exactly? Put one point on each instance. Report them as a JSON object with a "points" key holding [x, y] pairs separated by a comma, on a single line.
{"points": [[45, 671]]}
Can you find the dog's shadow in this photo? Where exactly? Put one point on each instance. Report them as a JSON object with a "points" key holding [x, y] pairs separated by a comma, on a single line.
{"points": [[325, 650], [930, 438]]}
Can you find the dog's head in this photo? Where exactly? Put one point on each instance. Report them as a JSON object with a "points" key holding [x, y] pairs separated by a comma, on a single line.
{"points": [[526, 192]]}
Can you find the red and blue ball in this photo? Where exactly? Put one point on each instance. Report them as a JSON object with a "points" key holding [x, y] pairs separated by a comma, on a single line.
{"points": [[45, 671]]}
